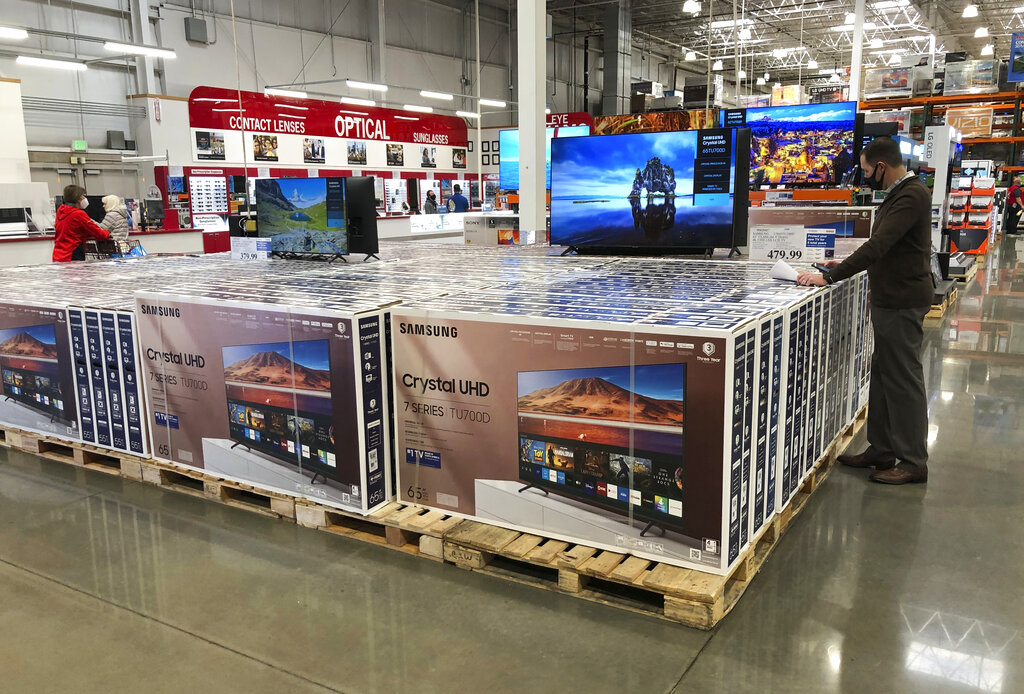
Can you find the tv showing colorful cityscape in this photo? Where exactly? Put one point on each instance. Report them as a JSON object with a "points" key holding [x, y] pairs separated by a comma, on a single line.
{"points": [[808, 144]]}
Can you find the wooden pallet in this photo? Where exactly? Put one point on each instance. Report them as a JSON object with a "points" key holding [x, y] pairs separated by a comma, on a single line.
{"points": [[972, 271], [938, 311], [690, 597], [694, 598]]}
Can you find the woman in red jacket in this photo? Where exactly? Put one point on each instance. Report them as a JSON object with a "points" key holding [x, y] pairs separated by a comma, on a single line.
{"points": [[74, 227]]}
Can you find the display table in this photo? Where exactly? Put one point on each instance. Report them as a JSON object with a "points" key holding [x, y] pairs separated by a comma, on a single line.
{"points": [[38, 249], [499, 229]]}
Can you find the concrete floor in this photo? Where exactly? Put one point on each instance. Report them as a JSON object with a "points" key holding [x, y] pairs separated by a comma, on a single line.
{"points": [[108, 585]]}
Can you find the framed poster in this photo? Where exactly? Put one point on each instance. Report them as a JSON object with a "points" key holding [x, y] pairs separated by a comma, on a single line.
{"points": [[486, 159], [485, 146], [1016, 73]]}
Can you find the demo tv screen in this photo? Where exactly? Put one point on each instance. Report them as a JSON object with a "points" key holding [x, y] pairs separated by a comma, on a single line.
{"points": [[801, 145], [279, 401], [610, 436], [657, 190], [29, 368], [508, 147], [302, 215]]}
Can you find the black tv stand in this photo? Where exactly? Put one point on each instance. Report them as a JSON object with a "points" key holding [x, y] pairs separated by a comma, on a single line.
{"points": [[570, 249], [370, 255], [533, 486], [317, 473], [652, 524], [236, 444], [734, 251]]}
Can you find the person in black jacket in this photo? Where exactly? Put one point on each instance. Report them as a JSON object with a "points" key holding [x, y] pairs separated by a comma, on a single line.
{"points": [[897, 258]]}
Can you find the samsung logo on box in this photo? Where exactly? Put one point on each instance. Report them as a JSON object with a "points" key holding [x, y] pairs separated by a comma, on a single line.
{"points": [[169, 311], [428, 330]]}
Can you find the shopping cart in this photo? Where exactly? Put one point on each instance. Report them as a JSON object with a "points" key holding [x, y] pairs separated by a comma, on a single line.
{"points": [[105, 250]]}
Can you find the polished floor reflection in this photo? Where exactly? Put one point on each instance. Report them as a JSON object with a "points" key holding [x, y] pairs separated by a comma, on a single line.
{"points": [[108, 585]]}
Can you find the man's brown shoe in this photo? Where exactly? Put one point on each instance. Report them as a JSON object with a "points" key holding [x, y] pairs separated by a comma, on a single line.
{"points": [[904, 474], [867, 459]]}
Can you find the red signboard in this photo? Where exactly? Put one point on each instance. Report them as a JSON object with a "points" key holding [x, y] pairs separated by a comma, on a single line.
{"points": [[219, 109], [565, 120]]}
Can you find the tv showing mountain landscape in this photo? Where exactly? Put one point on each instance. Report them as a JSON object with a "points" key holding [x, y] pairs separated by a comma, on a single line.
{"points": [[662, 190], [800, 145], [29, 368], [609, 436], [279, 401], [302, 216]]}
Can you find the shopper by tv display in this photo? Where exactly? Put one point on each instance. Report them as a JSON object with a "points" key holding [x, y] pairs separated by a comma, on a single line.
{"points": [[657, 192], [303, 216], [508, 146], [800, 145]]}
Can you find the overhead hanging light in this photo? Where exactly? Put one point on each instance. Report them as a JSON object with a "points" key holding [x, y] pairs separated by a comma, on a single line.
{"points": [[812, 64], [835, 77], [13, 33], [970, 11], [436, 95], [729, 24], [355, 101], [766, 76], [271, 91], [492, 102], [371, 86], [148, 51], [876, 43], [850, 18], [895, 59], [777, 85], [36, 61], [987, 49], [691, 7], [467, 114], [981, 32], [547, 112], [418, 108], [717, 65], [743, 74], [690, 56], [744, 34], [761, 81]]}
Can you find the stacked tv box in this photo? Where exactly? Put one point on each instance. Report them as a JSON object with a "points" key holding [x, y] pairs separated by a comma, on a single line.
{"points": [[666, 408]]}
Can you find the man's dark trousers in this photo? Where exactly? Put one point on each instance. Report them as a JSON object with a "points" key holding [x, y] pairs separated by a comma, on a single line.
{"points": [[897, 402]]}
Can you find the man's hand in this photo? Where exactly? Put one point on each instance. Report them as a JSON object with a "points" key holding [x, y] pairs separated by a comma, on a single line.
{"points": [[811, 279], [831, 263]]}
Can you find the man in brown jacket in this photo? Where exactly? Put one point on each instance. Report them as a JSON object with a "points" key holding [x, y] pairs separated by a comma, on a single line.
{"points": [[897, 258]]}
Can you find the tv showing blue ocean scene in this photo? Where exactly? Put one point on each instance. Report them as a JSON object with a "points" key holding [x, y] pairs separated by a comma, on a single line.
{"points": [[669, 190], [508, 147]]}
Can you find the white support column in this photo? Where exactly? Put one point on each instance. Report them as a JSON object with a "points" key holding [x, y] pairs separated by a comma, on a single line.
{"points": [[532, 28], [618, 57], [377, 43], [142, 33], [857, 58]]}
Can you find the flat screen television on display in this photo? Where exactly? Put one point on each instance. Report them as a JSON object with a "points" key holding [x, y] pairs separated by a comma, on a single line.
{"points": [[508, 149], [609, 436], [654, 192], [279, 402], [30, 370], [811, 144], [361, 208], [302, 216]]}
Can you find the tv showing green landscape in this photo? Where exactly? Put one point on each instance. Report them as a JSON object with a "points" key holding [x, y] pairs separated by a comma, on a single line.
{"points": [[302, 216]]}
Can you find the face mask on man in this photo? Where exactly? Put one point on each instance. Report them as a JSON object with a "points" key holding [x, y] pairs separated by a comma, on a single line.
{"points": [[84, 202], [876, 181]]}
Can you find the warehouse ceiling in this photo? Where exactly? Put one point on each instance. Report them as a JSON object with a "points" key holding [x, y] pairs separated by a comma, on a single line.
{"points": [[783, 37]]}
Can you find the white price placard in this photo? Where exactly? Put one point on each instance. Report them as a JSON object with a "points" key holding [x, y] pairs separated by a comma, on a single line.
{"points": [[790, 243], [248, 248]]}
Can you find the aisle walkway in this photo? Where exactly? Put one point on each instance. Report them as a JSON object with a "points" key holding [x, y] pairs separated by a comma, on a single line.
{"points": [[108, 585]]}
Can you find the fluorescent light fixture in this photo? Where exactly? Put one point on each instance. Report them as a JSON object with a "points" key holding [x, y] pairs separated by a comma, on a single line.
{"points": [[355, 84], [889, 4], [876, 43], [812, 64], [467, 114], [780, 53], [717, 65], [690, 56], [970, 11], [13, 33], [745, 34], [35, 61], [981, 32], [868, 26], [436, 95], [271, 91], [297, 108], [729, 24], [1018, 10], [987, 49], [493, 102], [144, 157], [354, 113], [691, 7], [148, 51], [418, 109], [547, 112], [743, 74], [777, 85], [895, 59], [357, 102], [406, 118], [761, 81], [207, 98], [850, 18]]}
